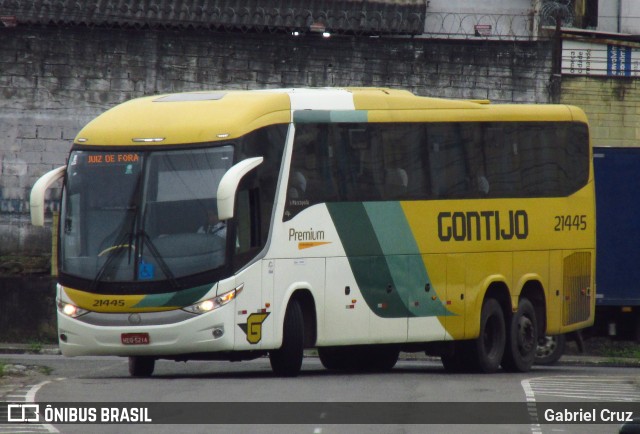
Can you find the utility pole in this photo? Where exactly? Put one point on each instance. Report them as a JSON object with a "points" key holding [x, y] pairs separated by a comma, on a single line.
{"points": [[555, 81]]}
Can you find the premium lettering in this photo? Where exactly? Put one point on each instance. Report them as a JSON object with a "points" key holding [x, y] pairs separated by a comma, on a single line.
{"points": [[309, 235], [483, 225]]}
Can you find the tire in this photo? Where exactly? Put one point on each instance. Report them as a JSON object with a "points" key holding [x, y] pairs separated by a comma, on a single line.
{"points": [[335, 358], [487, 350], [287, 360], [457, 359], [522, 339], [141, 366], [381, 358], [550, 350]]}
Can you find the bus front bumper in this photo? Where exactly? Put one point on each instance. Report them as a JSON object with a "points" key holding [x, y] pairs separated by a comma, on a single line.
{"points": [[96, 334]]}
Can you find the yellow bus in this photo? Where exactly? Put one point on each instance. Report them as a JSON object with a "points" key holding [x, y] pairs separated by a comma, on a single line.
{"points": [[358, 221]]}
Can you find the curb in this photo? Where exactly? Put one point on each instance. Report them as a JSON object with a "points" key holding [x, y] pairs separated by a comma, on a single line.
{"points": [[6, 348]]}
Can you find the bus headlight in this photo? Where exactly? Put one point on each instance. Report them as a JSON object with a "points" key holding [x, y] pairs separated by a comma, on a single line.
{"points": [[210, 304], [71, 310]]}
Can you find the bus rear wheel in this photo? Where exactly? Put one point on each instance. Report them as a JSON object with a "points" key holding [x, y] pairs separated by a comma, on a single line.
{"points": [[487, 350], [522, 340], [549, 349], [287, 360], [141, 366]]}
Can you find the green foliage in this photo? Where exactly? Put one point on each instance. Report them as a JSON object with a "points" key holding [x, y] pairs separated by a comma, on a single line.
{"points": [[35, 346]]}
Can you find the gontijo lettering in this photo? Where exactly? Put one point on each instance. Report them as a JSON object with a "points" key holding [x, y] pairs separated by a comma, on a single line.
{"points": [[483, 225]]}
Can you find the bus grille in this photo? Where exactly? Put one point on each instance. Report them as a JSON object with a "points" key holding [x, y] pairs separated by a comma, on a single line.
{"points": [[577, 288]]}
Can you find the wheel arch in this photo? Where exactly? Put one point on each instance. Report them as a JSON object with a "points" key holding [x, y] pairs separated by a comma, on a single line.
{"points": [[302, 294], [500, 291], [497, 289], [533, 291]]}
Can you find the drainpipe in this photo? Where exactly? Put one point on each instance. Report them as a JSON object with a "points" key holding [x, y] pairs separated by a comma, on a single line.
{"points": [[619, 16], [556, 62]]}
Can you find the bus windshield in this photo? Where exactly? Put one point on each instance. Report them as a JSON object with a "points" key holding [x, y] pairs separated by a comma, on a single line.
{"points": [[143, 216]]}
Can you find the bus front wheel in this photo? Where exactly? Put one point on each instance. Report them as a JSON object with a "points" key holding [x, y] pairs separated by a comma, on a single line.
{"points": [[522, 339], [287, 360], [141, 366], [487, 350]]}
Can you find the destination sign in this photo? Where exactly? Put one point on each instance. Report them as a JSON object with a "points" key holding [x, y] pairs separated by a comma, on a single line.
{"points": [[115, 158]]}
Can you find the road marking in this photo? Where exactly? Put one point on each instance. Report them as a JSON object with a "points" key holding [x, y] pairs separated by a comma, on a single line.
{"points": [[26, 395], [31, 394], [531, 407], [619, 389]]}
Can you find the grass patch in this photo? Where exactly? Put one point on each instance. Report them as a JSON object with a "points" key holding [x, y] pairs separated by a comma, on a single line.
{"points": [[627, 352], [612, 349], [35, 346], [46, 370]]}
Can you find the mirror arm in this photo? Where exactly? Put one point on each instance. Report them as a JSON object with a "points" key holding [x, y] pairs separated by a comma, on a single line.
{"points": [[36, 201], [229, 185]]}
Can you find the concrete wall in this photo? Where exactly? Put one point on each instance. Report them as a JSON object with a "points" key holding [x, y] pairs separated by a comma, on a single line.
{"points": [[27, 309], [53, 80], [515, 7], [612, 105], [619, 16]]}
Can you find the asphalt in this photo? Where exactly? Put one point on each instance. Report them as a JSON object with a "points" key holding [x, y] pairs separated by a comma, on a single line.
{"points": [[567, 359]]}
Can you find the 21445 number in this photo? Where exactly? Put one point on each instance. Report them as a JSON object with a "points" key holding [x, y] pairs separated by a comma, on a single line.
{"points": [[570, 222]]}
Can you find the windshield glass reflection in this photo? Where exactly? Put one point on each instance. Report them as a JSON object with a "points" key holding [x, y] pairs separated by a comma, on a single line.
{"points": [[131, 216]]}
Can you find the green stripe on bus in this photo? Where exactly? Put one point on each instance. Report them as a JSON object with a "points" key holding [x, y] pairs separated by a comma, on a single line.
{"points": [[367, 260], [403, 258], [385, 259], [329, 116], [391, 228]]}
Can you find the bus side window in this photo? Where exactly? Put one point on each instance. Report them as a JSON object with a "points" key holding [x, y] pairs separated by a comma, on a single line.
{"points": [[478, 183], [311, 174], [248, 226], [406, 165], [362, 149], [503, 159], [303, 169], [447, 161]]}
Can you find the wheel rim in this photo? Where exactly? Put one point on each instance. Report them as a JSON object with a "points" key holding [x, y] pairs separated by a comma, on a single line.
{"points": [[548, 347], [526, 335]]}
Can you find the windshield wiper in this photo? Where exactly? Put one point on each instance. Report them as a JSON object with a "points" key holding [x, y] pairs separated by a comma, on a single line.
{"points": [[146, 240], [126, 234]]}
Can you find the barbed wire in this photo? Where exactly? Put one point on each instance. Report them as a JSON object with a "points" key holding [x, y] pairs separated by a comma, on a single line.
{"points": [[448, 25]]}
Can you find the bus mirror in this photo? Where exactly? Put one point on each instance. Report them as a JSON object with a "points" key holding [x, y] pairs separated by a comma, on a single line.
{"points": [[229, 184], [36, 202]]}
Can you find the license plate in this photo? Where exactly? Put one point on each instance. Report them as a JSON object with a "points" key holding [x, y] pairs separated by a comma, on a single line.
{"points": [[135, 338]]}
